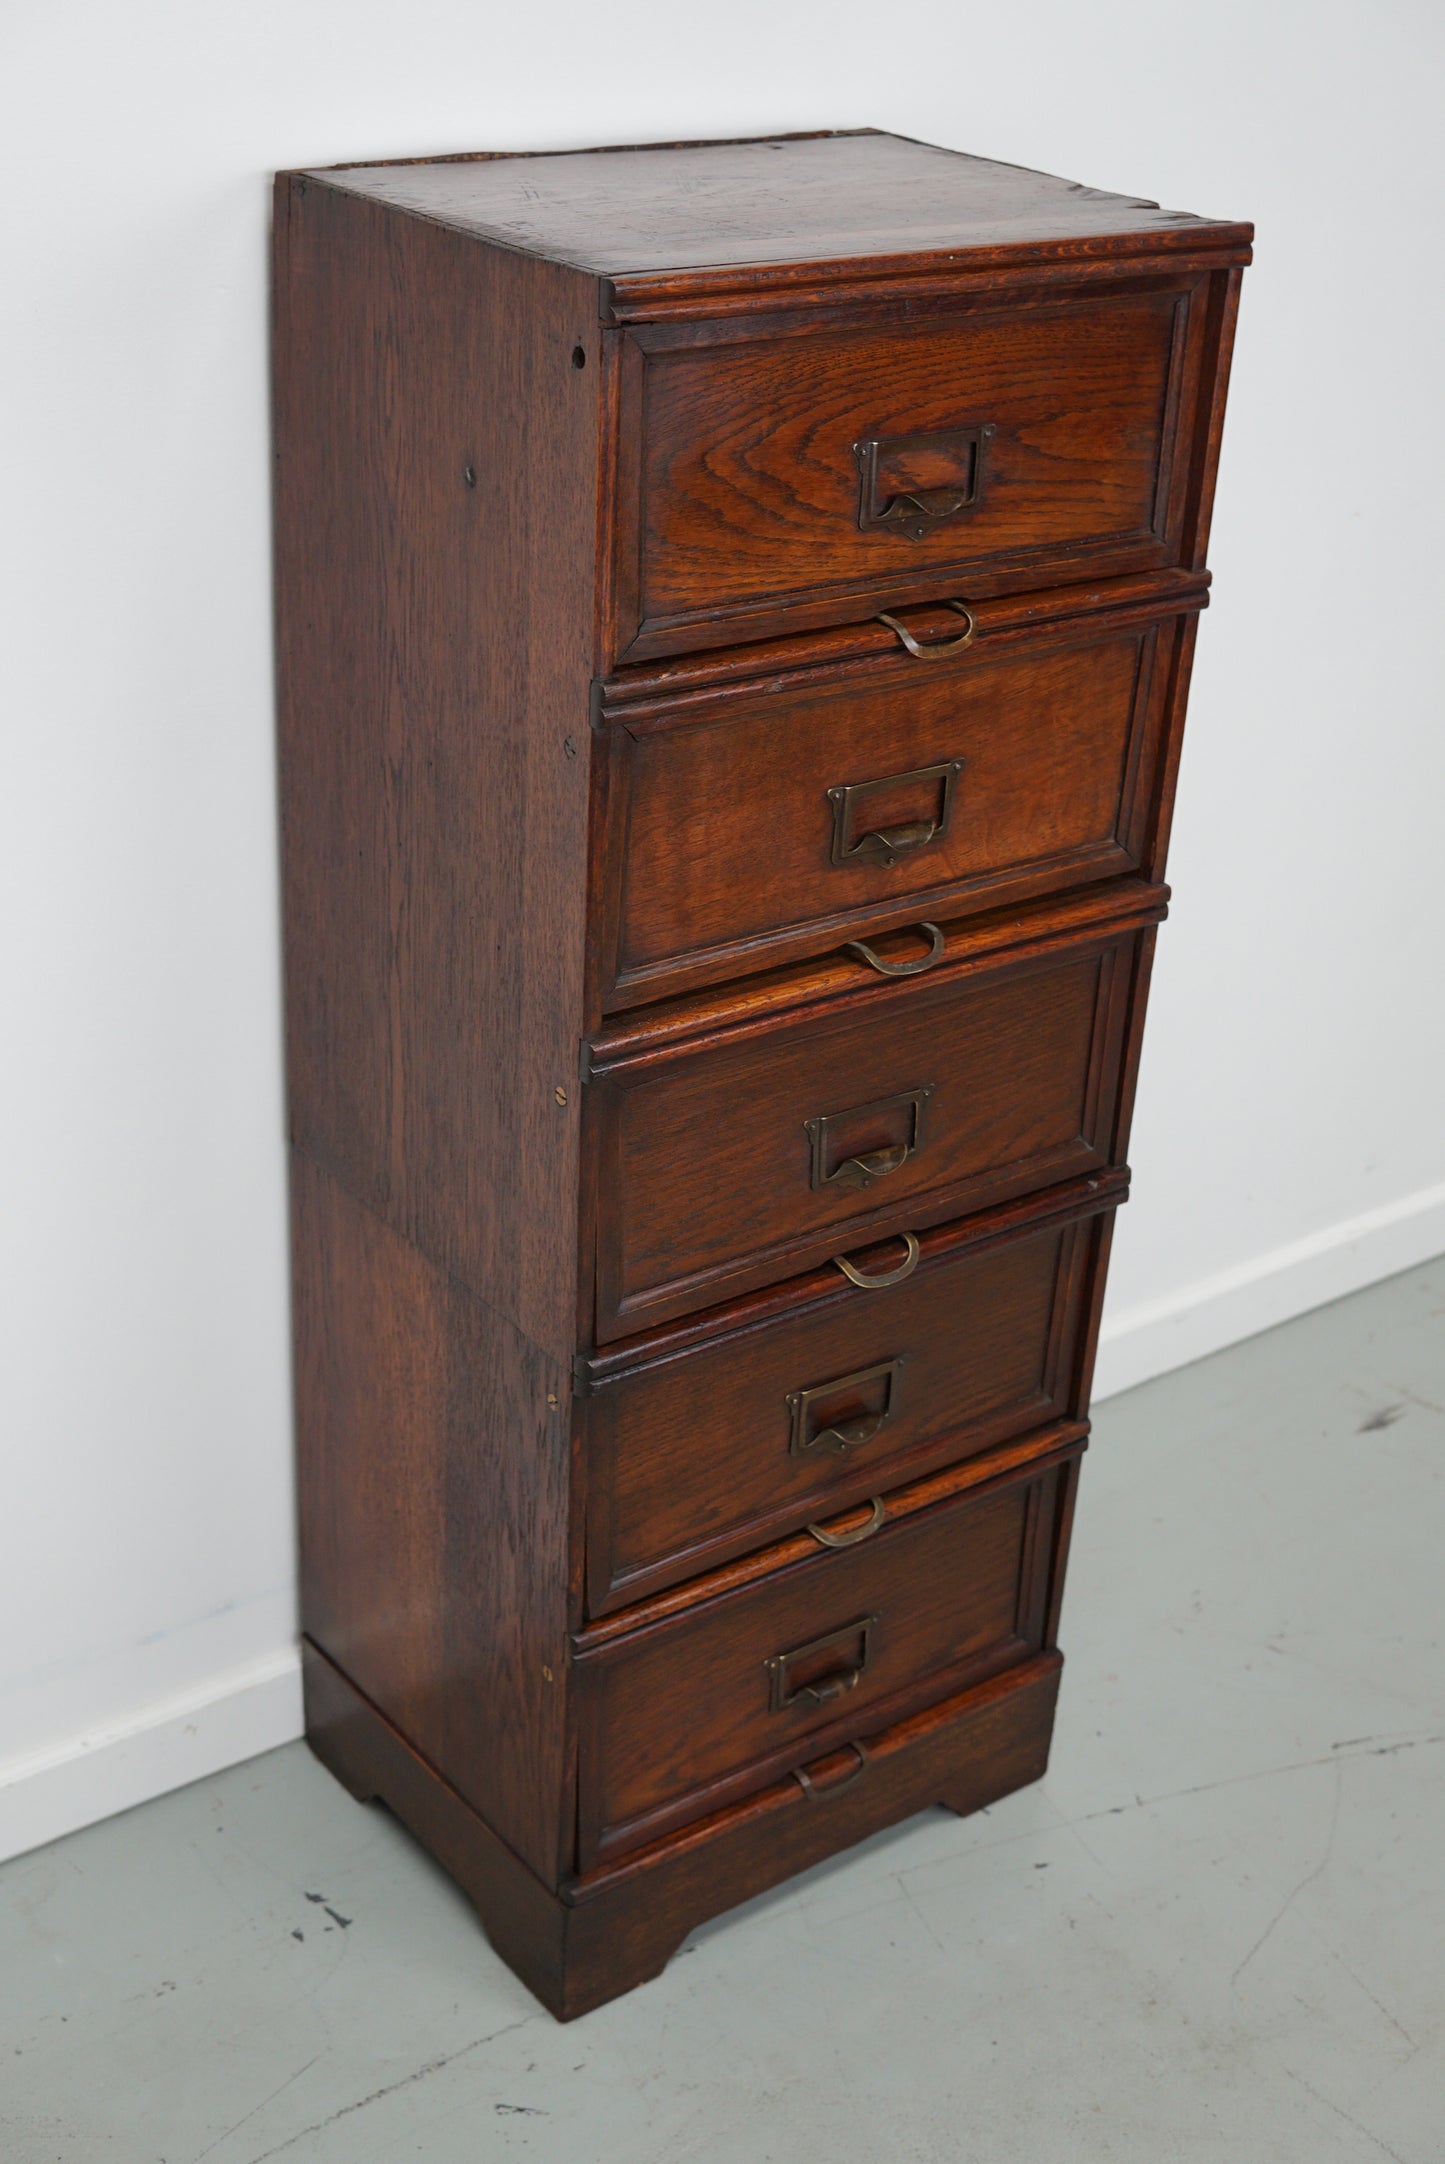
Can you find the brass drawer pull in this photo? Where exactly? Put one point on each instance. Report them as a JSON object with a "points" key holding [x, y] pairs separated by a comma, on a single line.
{"points": [[868, 1165], [815, 1794], [842, 1435], [865, 953], [936, 648], [905, 1268], [885, 845], [825, 1539], [912, 484], [809, 1672]]}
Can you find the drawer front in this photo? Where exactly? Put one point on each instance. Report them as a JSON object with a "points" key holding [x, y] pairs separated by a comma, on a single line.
{"points": [[768, 482], [703, 1707], [775, 1147], [747, 828], [698, 1456]]}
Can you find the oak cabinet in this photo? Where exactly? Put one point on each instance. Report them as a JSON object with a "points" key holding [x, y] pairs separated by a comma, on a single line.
{"points": [[735, 608]]}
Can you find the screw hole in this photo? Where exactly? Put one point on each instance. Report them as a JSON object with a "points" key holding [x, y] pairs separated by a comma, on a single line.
{"points": [[579, 356], [469, 475]]}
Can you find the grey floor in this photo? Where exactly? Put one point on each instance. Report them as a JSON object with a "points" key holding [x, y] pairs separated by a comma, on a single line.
{"points": [[1217, 1930]]}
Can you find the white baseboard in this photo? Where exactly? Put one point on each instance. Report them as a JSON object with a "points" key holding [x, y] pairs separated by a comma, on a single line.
{"points": [[1141, 1342], [247, 1710], [149, 1751]]}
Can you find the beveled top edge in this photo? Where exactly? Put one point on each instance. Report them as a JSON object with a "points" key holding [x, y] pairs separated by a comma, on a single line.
{"points": [[767, 211]]}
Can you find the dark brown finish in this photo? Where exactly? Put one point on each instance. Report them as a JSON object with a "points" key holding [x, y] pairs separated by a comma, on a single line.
{"points": [[735, 609], [434, 656], [743, 511], [794, 1405], [705, 1706], [1040, 1447], [594, 1937], [435, 1510], [726, 1163], [856, 198], [736, 812]]}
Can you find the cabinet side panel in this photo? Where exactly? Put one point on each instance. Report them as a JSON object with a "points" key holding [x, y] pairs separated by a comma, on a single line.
{"points": [[436, 449], [433, 1501]]}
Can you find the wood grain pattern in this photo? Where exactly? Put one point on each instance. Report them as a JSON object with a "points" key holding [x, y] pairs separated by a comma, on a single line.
{"points": [[1005, 621], [849, 195], [749, 495], [703, 1159], [718, 844], [682, 1717], [1040, 1448], [691, 1456], [434, 657], [974, 944], [435, 1512], [580, 554], [617, 1927]]}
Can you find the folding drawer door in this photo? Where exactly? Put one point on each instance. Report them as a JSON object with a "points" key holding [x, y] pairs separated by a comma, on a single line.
{"points": [[773, 471], [707, 1439], [823, 789], [735, 1143], [688, 1710]]}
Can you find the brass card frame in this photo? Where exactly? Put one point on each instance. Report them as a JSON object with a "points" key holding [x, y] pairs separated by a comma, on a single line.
{"points": [[799, 1404], [826, 1688], [860, 1172]]}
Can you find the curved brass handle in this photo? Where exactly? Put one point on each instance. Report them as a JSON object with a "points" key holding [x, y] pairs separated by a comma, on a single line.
{"points": [[863, 1171], [885, 845], [848, 1434], [936, 648], [905, 1268], [815, 1794], [852, 1648], [825, 1539], [827, 1688], [868, 1165], [865, 953], [842, 1434]]}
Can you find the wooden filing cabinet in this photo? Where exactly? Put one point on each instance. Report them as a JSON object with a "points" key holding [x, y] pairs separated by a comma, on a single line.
{"points": [[735, 612]]}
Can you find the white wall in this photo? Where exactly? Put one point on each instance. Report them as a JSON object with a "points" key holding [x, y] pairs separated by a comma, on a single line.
{"points": [[1289, 1137]]}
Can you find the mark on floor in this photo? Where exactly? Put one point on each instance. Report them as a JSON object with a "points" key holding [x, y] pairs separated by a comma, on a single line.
{"points": [[407, 2081]]}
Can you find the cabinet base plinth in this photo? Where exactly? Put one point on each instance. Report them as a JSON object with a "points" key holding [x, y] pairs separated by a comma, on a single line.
{"points": [[594, 1938]]}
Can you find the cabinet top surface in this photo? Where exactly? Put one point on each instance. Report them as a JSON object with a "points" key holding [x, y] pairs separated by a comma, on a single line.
{"points": [[777, 199]]}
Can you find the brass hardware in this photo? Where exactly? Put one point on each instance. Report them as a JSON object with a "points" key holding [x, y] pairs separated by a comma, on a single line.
{"points": [[826, 1539], [905, 1268], [936, 648], [815, 1794], [911, 484], [885, 845], [859, 1172], [843, 1435], [830, 1683], [865, 953], [560, 1094]]}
